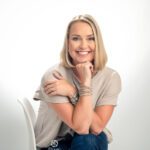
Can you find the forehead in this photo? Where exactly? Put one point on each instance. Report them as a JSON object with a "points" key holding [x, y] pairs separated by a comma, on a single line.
{"points": [[80, 27]]}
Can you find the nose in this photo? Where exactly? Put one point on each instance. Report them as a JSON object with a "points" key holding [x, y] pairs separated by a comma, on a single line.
{"points": [[83, 44]]}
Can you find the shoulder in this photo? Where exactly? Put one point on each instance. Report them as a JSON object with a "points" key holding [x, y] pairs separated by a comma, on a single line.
{"points": [[48, 75], [107, 75], [109, 72], [112, 77]]}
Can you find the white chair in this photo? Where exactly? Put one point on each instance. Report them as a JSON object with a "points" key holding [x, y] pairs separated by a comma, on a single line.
{"points": [[30, 120]]}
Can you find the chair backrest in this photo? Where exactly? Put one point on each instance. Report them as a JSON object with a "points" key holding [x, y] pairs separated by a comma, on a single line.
{"points": [[30, 120]]}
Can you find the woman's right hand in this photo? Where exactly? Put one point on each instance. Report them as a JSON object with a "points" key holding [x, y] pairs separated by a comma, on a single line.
{"points": [[60, 86], [84, 73]]}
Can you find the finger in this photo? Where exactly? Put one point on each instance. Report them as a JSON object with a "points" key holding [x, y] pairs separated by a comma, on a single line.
{"points": [[53, 93], [57, 75], [50, 90], [47, 83], [91, 68], [50, 86]]}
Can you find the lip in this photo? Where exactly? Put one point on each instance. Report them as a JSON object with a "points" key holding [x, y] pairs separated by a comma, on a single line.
{"points": [[83, 52]]}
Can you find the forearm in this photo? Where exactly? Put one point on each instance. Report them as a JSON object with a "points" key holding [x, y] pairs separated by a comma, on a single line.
{"points": [[84, 118], [100, 118], [78, 117], [82, 114], [97, 124]]}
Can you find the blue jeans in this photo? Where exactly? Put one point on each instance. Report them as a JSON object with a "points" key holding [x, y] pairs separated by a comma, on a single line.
{"points": [[84, 142]]}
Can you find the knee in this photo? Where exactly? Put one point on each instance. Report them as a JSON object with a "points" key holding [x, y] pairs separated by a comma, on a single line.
{"points": [[88, 141]]}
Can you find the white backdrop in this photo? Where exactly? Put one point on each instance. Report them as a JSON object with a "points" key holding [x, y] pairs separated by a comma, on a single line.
{"points": [[31, 37]]}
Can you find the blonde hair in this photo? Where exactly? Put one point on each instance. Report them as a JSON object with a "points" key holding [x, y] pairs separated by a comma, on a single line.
{"points": [[100, 57]]}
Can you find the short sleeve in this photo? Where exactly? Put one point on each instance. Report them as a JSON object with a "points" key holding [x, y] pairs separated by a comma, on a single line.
{"points": [[111, 91], [41, 95]]}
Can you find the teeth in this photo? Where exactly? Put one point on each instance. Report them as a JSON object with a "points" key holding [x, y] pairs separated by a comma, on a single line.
{"points": [[83, 53]]}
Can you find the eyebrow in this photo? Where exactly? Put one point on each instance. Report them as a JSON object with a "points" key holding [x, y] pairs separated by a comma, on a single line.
{"points": [[79, 35]]}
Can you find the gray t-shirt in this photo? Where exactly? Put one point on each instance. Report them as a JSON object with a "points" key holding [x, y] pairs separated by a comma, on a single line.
{"points": [[106, 85]]}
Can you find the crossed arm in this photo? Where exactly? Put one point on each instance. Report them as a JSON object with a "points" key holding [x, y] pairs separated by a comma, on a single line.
{"points": [[80, 117], [83, 122]]}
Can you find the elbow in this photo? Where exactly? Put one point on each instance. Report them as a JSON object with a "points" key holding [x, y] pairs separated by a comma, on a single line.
{"points": [[97, 130], [82, 129]]}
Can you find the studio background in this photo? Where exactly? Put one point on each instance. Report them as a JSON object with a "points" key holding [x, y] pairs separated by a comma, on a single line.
{"points": [[31, 38]]}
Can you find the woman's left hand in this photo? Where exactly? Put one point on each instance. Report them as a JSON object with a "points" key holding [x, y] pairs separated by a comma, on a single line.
{"points": [[59, 87]]}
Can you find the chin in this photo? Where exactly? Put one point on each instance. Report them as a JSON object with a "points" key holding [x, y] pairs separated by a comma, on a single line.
{"points": [[80, 62]]}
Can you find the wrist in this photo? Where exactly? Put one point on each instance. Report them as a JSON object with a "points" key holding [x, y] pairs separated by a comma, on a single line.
{"points": [[86, 83], [74, 98], [85, 90], [72, 92]]}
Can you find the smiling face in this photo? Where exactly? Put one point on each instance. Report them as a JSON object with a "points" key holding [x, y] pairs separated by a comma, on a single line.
{"points": [[81, 43]]}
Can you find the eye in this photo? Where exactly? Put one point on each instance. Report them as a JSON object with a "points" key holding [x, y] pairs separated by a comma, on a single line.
{"points": [[75, 38], [91, 38]]}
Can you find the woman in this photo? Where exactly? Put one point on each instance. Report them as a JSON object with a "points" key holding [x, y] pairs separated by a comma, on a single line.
{"points": [[78, 95]]}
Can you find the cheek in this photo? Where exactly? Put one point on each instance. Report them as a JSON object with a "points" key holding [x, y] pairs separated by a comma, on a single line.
{"points": [[72, 46], [93, 46], [71, 52]]}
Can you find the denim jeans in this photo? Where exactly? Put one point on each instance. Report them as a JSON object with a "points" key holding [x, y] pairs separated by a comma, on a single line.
{"points": [[83, 142], [89, 142]]}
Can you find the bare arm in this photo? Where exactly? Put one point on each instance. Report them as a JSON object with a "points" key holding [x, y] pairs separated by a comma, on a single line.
{"points": [[100, 118], [77, 117]]}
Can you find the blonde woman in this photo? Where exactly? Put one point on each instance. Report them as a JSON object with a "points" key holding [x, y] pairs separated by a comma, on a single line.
{"points": [[77, 96]]}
